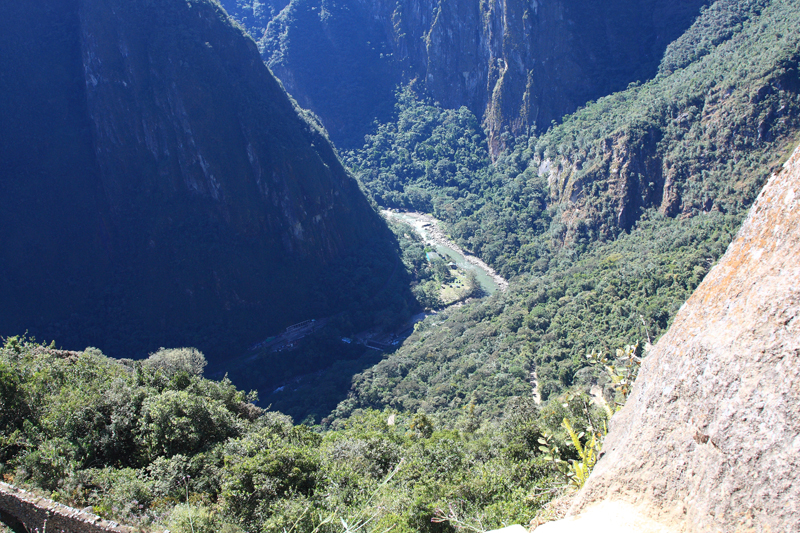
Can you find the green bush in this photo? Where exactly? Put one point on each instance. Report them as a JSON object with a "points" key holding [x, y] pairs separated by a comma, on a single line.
{"points": [[176, 360], [187, 518], [174, 422]]}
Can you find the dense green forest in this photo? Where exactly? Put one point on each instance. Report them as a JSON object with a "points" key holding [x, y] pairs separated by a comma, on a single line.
{"points": [[484, 353], [151, 443], [701, 136], [605, 224]]}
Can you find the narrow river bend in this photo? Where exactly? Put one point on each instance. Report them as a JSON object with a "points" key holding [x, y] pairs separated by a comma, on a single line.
{"points": [[430, 231]]}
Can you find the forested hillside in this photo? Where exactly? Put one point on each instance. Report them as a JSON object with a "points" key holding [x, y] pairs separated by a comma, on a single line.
{"points": [[603, 224], [152, 444], [516, 65], [606, 223], [695, 139]]}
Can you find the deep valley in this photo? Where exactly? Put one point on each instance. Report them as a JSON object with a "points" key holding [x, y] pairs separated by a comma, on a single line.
{"points": [[337, 266]]}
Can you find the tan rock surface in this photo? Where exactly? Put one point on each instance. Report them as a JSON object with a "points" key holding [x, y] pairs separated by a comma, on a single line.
{"points": [[607, 517], [710, 437]]}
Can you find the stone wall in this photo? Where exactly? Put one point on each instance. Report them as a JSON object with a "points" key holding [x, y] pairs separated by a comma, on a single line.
{"points": [[40, 514]]}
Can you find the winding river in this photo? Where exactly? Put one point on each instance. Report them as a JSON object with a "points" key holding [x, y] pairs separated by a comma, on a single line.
{"points": [[430, 231]]}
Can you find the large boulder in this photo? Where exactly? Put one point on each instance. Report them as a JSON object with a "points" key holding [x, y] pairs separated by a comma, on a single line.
{"points": [[710, 437]]}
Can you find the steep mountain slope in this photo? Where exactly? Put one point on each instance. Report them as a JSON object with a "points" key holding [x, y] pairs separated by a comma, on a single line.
{"points": [[515, 64], [161, 188], [698, 138]]}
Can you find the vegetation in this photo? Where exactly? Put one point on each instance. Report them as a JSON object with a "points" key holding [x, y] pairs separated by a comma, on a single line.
{"points": [[153, 443], [591, 49], [484, 352], [606, 223], [309, 379], [622, 371], [427, 158], [694, 139]]}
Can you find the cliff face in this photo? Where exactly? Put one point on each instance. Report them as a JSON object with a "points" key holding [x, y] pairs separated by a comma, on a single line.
{"points": [[709, 437], [516, 64], [521, 65], [161, 186]]}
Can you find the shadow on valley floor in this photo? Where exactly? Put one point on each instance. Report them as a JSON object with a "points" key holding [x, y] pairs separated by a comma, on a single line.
{"points": [[306, 381], [308, 369]]}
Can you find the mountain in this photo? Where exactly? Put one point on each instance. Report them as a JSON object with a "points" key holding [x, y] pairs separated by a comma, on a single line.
{"points": [[517, 65], [161, 188], [604, 226], [700, 137]]}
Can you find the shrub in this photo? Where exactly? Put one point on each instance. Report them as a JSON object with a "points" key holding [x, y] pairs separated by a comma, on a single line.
{"points": [[186, 518], [175, 360]]}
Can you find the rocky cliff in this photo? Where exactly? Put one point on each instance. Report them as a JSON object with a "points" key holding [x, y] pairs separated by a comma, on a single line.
{"points": [[709, 438], [516, 64], [160, 186]]}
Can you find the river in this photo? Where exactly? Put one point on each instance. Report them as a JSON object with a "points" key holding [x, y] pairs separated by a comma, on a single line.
{"points": [[430, 231]]}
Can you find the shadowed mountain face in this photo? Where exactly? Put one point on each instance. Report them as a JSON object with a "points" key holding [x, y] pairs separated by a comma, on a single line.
{"points": [[159, 187], [516, 64]]}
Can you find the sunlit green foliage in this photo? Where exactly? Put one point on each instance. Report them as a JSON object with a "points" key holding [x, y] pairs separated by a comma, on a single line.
{"points": [[425, 159], [137, 445], [444, 430], [622, 370], [703, 135], [484, 352]]}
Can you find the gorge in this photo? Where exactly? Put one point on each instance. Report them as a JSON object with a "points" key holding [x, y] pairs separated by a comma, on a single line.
{"points": [[170, 213]]}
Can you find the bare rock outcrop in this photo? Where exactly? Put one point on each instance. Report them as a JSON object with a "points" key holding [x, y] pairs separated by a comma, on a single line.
{"points": [[710, 437]]}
